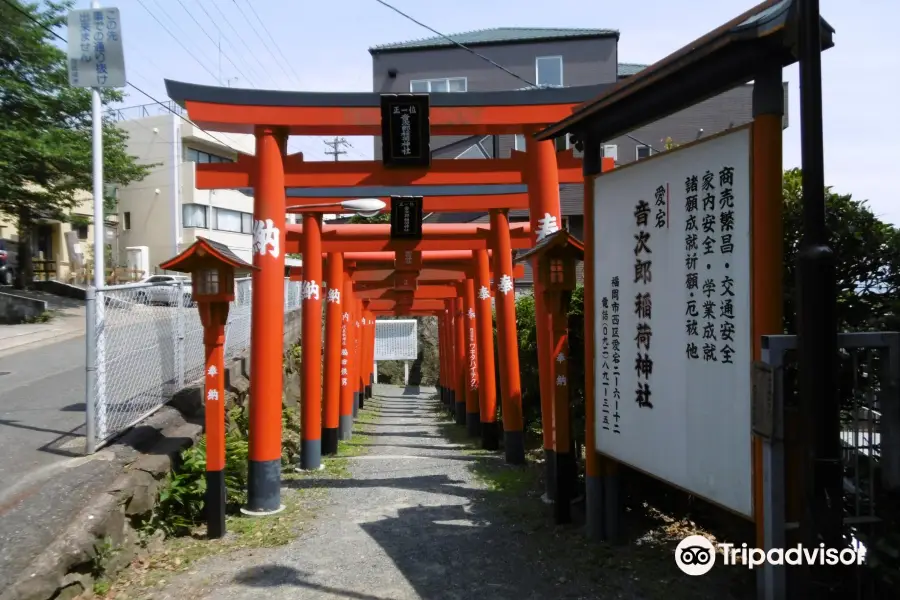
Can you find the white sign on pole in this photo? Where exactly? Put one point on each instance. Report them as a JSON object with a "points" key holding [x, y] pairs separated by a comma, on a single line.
{"points": [[96, 55], [396, 340], [672, 314]]}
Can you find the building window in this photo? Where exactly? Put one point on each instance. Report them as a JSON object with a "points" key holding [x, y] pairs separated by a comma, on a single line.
{"points": [[549, 71], [82, 231], [193, 215], [641, 151], [227, 220], [519, 142], [126, 220], [199, 156], [447, 84], [561, 143], [246, 223], [611, 151]]}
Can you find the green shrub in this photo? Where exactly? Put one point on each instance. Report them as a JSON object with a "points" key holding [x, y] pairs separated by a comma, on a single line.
{"points": [[182, 497]]}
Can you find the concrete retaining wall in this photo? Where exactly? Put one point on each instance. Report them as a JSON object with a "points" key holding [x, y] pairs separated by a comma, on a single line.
{"points": [[59, 288], [16, 309]]}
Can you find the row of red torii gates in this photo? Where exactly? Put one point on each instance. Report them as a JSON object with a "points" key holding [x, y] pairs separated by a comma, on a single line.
{"points": [[453, 272]]}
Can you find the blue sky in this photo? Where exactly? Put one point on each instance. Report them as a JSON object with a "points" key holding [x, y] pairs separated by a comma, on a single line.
{"points": [[326, 44]]}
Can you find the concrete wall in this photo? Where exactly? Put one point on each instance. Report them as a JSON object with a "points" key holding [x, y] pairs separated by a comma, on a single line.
{"points": [[19, 309]]}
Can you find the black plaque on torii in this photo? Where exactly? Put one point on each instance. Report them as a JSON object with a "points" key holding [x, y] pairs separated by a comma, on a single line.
{"points": [[406, 217], [405, 130]]}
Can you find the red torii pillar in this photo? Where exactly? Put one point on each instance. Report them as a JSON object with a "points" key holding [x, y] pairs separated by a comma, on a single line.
{"points": [[333, 346], [487, 386], [508, 350], [460, 357], [370, 351], [311, 327], [365, 366], [442, 374], [347, 362], [545, 217], [473, 414], [450, 359], [357, 356], [267, 325]]}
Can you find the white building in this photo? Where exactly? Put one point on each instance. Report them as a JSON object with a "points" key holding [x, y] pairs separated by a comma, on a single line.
{"points": [[166, 212]]}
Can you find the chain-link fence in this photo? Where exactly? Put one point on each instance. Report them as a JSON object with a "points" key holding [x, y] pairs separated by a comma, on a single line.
{"points": [[145, 342]]}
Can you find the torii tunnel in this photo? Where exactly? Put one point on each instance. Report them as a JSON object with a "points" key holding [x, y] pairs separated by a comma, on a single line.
{"points": [[456, 273]]}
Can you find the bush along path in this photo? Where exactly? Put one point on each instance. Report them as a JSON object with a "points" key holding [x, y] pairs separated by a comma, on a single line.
{"points": [[174, 535]]}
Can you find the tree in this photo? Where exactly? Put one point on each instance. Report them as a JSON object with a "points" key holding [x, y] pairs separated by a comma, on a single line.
{"points": [[45, 127], [868, 259], [384, 217]]}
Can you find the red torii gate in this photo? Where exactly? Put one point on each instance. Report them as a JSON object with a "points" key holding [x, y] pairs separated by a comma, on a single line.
{"points": [[272, 117]]}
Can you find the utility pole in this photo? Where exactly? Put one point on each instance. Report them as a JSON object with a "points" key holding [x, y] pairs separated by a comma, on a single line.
{"points": [[335, 145]]}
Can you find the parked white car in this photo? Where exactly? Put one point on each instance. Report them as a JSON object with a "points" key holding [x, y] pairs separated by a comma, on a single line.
{"points": [[163, 290]]}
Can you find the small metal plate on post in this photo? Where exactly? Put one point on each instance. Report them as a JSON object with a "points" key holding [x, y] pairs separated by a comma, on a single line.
{"points": [[762, 380]]}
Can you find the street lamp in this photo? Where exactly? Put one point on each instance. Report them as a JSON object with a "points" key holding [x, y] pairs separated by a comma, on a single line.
{"points": [[364, 207]]}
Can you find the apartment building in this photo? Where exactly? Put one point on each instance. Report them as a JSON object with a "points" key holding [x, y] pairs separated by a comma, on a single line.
{"points": [[59, 247], [165, 212], [548, 57]]}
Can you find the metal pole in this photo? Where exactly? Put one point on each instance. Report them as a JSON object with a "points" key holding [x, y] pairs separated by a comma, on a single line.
{"points": [[90, 362], [99, 261], [97, 143], [816, 321]]}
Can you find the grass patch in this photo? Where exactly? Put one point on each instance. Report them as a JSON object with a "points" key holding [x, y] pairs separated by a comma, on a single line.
{"points": [[164, 559], [44, 317]]}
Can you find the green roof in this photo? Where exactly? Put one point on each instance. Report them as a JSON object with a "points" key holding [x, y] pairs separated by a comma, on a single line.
{"points": [[629, 69], [497, 35]]}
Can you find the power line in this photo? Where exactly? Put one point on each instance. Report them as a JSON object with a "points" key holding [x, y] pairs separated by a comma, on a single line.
{"points": [[265, 43], [178, 40], [452, 41], [49, 29], [335, 144], [277, 47], [217, 44], [249, 52]]}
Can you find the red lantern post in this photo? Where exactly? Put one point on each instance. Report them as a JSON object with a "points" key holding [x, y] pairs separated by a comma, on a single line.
{"points": [[212, 266], [556, 256]]}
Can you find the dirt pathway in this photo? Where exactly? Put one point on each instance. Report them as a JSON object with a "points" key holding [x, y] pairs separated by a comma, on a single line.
{"points": [[409, 524]]}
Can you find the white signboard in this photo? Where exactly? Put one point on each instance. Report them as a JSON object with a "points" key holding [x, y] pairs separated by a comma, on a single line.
{"points": [[672, 314], [396, 340], [96, 55]]}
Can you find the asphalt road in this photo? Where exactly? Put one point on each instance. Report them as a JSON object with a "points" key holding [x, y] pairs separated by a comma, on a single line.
{"points": [[41, 408]]}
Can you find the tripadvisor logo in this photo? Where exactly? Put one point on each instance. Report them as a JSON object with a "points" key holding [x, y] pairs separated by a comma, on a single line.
{"points": [[696, 555]]}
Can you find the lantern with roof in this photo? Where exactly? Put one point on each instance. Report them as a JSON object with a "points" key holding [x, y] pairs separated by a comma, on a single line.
{"points": [[557, 254], [212, 267]]}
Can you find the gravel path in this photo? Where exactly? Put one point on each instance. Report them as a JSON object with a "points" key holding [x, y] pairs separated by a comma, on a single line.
{"points": [[409, 524]]}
